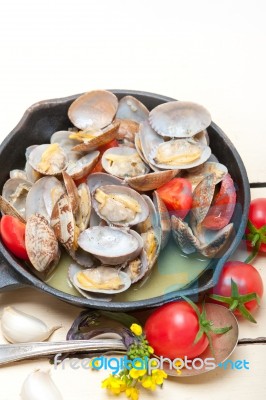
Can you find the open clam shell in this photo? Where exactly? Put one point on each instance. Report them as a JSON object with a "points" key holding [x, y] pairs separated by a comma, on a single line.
{"points": [[216, 241], [197, 174], [137, 268], [63, 139], [93, 110], [179, 119], [15, 191], [149, 140], [84, 207], [72, 271], [164, 219], [72, 191], [93, 140], [43, 195], [83, 166], [41, 244], [123, 162], [7, 209], [179, 154], [131, 108], [202, 197], [18, 173], [184, 236], [151, 181], [119, 205], [102, 279], [63, 223], [111, 245], [48, 159], [98, 179], [126, 132]]}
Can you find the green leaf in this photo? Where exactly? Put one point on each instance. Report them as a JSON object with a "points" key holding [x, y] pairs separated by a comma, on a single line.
{"points": [[198, 336], [193, 305], [223, 299], [251, 227], [220, 331], [234, 289], [246, 314]]}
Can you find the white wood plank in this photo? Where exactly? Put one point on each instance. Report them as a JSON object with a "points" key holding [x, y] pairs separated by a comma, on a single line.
{"points": [[219, 384]]}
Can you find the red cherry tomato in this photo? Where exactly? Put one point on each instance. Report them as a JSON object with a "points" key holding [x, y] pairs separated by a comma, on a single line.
{"points": [[220, 213], [13, 236], [171, 331], [177, 196], [247, 279], [256, 230]]}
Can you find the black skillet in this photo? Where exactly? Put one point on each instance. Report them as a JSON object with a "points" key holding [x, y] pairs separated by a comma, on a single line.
{"points": [[46, 117]]}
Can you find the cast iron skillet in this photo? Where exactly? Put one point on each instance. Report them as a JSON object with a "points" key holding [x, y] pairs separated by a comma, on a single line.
{"points": [[46, 117]]}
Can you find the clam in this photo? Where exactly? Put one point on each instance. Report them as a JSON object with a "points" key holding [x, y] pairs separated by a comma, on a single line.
{"points": [[98, 179], [137, 268], [82, 258], [179, 154], [93, 140], [184, 236], [48, 159], [84, 207], [18, 173], [8, 209], [164, 219], [63, 139], [119, 205], [216, 241], [41, 244], [179, 119], [153, 219], [111, 245], [148, 141], [138, 147], [72, 192], [151, 247], [130, 108], [31, 175], [202, 197], [103, 279], [15, 191], [154, 180], [63, 223], [197, 174], [77, 169], [93, 110], [43, 195], [123, 162], [72, 271], [126, 132]]}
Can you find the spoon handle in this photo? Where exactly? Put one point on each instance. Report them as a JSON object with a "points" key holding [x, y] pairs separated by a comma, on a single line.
{"points": [[22, 351]]}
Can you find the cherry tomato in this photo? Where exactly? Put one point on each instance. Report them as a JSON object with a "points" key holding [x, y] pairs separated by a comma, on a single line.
{"points": [[247, 279], [177, 196], [223, 206], [171, 331], [13, 236], [256, 229]]}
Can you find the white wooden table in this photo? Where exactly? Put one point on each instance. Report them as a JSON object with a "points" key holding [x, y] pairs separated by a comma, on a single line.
{"points": [[210, 52]]}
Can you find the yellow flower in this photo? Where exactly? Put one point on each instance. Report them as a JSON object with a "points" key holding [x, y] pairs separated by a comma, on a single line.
{"points": [[136, 373], [148, 382], [114, 384], [150, 349], [178, 364], [136, 329], [132, 393], [158, 376]]}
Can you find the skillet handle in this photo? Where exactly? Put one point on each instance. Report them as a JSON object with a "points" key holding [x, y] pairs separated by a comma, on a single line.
{"points": [[9, 279]]}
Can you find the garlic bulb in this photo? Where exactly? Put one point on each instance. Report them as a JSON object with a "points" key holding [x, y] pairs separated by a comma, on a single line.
{"points": [[18, 327], [39, 386]]}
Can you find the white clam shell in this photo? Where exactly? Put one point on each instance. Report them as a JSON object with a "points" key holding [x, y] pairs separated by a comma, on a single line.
{"points": [[72, 271], [93, 110], [111, 245], [56, 163], [79, 168], [130, 165], [102, 274], [179, 119], [131, 108], [114, 213]]}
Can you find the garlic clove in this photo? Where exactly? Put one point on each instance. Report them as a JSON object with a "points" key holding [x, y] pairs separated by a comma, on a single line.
{"points": [[19, 327], [40, 386]]}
